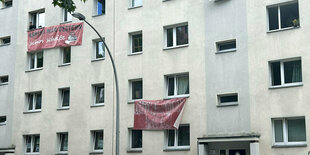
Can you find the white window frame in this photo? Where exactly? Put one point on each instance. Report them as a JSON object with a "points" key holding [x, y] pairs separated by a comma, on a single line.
{"points": [[32, 144], [176, 133], [62, 52], [95, 87], [131, 42], [131, 4], [35, 60], [3, 123], [175, 94], [2, 41], [4, 83], [95, 42], [67, 15], [283, 84], [59, 139], [285, 133], [175, 35], [93, 141], [37, 16], [225, 42], [219, 104], [130, 148], [279, 15], [61, 97], [130, 99], [34, 100]]}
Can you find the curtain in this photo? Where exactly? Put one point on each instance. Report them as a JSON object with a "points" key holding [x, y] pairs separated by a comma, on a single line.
{"points": [[183, 85], [292, 71], [296, 130]]}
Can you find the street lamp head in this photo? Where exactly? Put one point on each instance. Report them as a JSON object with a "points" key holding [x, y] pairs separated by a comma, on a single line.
{"points": [[78, 16]]}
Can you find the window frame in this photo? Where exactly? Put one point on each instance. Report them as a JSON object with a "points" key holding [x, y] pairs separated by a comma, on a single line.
{"points": [[62, 55], [59, 140], [132, 6], [130, 148], [175, 94], [174, 27], [34, 101], [35, 66], [285, 132], [131, 41], [66, 16], [94, 96], [31, 144], [282, 73], [176, 136], [61, 97], [220, 104], [279, 15], [130, 99], [95, 45], [93, 141], [1, 80]]}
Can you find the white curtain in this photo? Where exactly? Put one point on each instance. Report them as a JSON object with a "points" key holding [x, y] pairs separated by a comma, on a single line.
{"points": [[183, 85]]}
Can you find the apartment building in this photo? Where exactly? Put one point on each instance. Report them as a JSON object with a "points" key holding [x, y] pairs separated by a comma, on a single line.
{"points": [[241, 65]]}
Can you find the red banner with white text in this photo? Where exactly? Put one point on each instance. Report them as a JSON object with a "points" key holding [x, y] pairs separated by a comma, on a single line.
{"points": [[63, 35], [158, 114]]}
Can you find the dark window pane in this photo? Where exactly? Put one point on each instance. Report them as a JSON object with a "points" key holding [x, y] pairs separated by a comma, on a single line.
{"points": [[32, 61], [136, 43], [169, 37], [183, 136], [66, 98], [182, 35], [273, 18], [2, 119], [39, 59], [288, 14], [99, 94], [6, 40], [38, 101], [66, 55], [171, 134], [230, 98], [28, 143], [275, 73], [222, 152], [30, 101], [136, 139], [296, 130], [100, 7], [226, 45], [292, 71], [98, 140], [170, 86], [237, 152], [4, 79], [278, 129], [36, 145], [99, 50], [137, 90], [64, 142], [8, 3]]}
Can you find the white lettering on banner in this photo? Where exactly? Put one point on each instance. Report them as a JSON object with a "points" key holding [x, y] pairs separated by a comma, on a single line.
{"points": [[61, 37], [36, 42]]}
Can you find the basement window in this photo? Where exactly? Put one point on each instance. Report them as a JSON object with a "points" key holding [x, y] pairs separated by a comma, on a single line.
{"points": [[227, 99]]}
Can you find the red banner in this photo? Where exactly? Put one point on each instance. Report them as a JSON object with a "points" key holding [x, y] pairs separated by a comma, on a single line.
{"points": [[63, 35], [158, 114]]}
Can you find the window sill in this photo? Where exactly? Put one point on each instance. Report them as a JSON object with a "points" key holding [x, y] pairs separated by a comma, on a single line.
{"points": [[35, 29], [6, 7], [3, 84], [134, 150], [61, 153], [29, 112], [289, 145], [137, 53], [227, 104], [226, 51], [65, 22], [32, 70], [178, 149], [62, 65], [2, 124], [98, 15], [5, 44], [174, 47], [99, 59], [278, 30], [31, 153], [287, 85], [165, 0], [178, 96], [63, 108], [96, 152], [134, 7], [133, 101], [97, 105]]}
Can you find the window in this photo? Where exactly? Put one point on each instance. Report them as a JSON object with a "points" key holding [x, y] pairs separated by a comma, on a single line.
{"points": [[177, 85], [67, 16], [64, 97], [7, 3], [66, 55], [289, 131], [2, 120], [62, 142], [286, 72], [176, 35], [100, 50], [100, 7], [34, 101], [37, 19], [136, 89], [98, 94], [32, 144], [97, 141], [135, 3], [136, 42], [35, 60], [227, 99], [226, 46], [5, 40], [283, 16], [135, 139], [4, 80], [178, 138]]}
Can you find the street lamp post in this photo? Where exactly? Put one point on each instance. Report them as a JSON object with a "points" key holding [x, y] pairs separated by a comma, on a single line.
{"points": [[82, 17]]}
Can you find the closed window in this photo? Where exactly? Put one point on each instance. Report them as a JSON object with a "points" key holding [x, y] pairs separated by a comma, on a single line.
{"points": [[35, 60], [66, 55], [98, 94], [67, 16], [100, 7], [97, 141], [135, 3], [135, 139], [289, 131], [32, 144], [136, 89], [62, 142], [286, 72], [283, 16], [226, 46], [136, 42], [178, 138], [5, 40], [64, 97], [176, 35], [2, 120], [99, 50], [177, 85], [7, 3], [37, 19], [34, 101], [227, 99], [4, 80]]}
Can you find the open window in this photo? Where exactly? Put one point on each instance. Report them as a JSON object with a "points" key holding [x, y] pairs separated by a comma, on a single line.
{"points": [[34, 101], [64, 98], [177, 85], [97, 141], [37, 19], [32, 144], [62, 145], [98, 94]]}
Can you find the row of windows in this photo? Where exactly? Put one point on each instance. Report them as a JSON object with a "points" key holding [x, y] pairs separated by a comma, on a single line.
{"points": [[173, 139]]}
